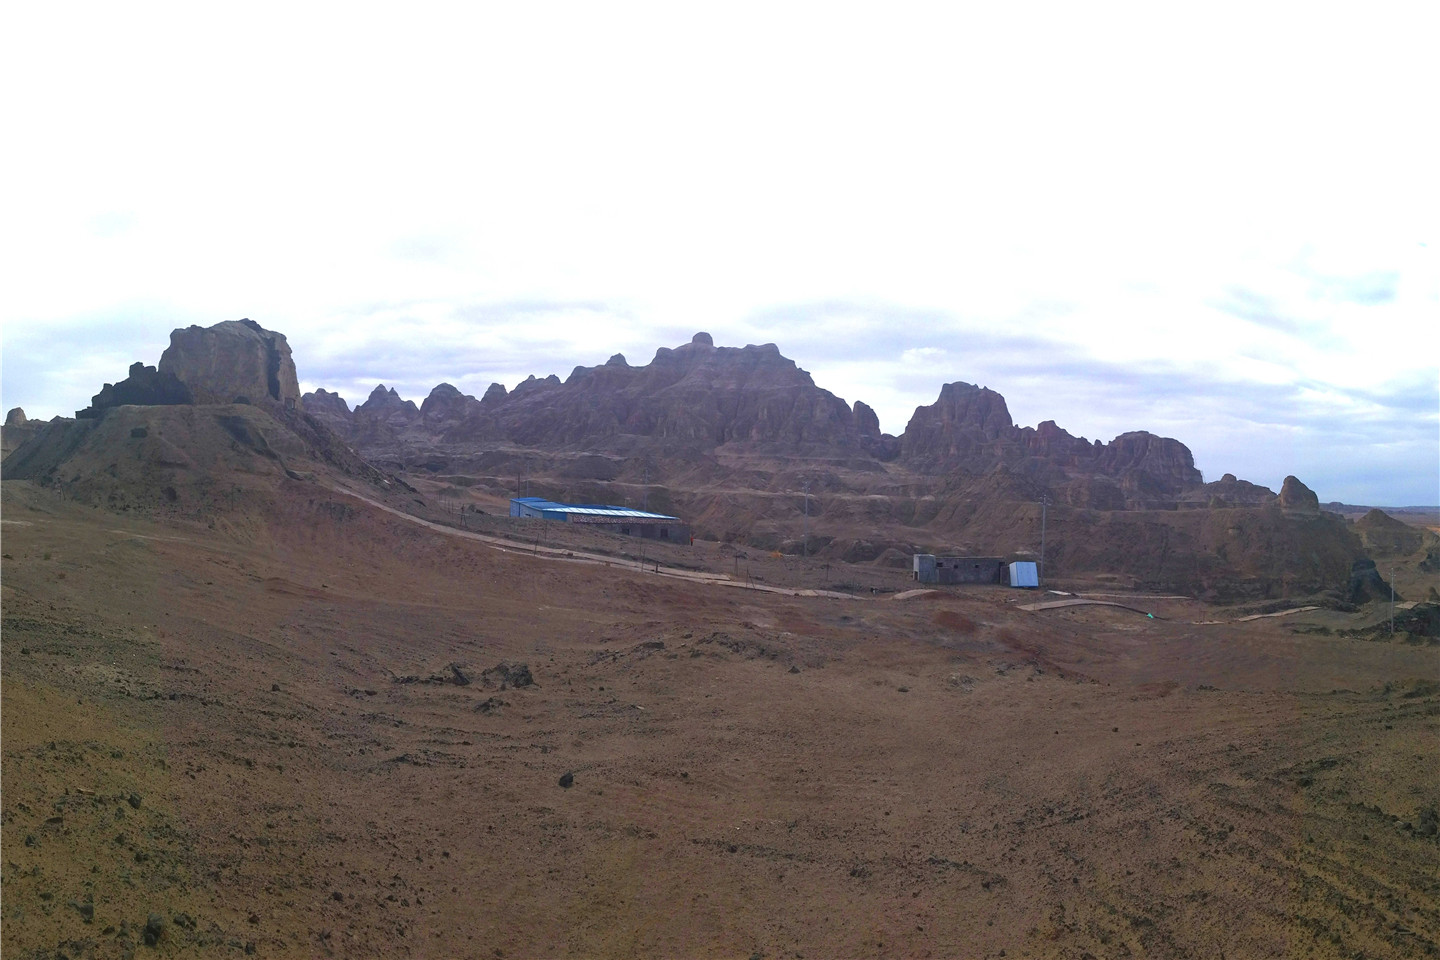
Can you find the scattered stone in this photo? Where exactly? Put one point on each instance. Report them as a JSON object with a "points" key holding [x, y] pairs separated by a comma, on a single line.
{"points": [[154, 929], [135, 800], [184, 920], [794, 669], [337, 896], [510, 675], [86, 909], [489, 705], [458, 675], [567, 780], [31, 841], [274, 688]]}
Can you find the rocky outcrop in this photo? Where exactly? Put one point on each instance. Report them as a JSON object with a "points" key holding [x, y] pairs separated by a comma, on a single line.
{"points": [[144, 387], [968, 430], [1151, 463], [1230, 492], [17, 429], [1297, 498], [962, 426], [234, 361], [867, 424]]}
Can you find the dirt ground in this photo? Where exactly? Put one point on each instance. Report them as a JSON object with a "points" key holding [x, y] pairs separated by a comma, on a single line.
{"points": [[253, 739]]}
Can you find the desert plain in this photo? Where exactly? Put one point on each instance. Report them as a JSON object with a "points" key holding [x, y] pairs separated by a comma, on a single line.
{"points": [[313, 726]]}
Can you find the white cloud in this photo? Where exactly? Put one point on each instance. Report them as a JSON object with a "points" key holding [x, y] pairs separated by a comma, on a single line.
{"points": [[1243, 198]]}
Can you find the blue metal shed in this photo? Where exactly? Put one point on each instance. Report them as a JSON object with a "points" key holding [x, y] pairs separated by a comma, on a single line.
{"points": [[1023, 574]]}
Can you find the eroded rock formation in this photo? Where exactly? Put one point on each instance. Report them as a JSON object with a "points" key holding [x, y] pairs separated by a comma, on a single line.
{"points": [[145, 387], [234, 361]]}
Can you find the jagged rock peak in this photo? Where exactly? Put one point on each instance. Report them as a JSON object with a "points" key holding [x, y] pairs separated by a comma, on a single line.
{"points": [[533, 383], [494, 393], [442, 396], [703, 338], [15, 418], [446, 402], [331, 408], [324, 400], [233, 360], [1294, 495], [617, 361], [385, 401]]}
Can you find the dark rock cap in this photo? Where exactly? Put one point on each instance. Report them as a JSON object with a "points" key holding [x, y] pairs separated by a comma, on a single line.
{"points": [[145, 386], [1294, 495]]}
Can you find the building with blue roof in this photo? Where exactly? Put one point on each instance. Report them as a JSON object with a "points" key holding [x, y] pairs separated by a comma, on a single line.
{"points": [[622, 520]]}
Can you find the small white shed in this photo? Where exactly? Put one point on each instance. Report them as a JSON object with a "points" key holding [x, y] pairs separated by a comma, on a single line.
{"points": [[1023, 574]]}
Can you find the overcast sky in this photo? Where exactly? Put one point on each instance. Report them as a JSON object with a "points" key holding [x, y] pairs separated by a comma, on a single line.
{"points": [[1212, 222]]}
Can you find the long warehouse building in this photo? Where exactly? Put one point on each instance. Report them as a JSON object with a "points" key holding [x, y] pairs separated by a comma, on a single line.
{"points": [[622, 520]]}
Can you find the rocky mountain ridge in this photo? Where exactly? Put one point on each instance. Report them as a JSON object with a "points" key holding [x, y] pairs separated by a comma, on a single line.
{"points": [[738, 440], [697, 399]]}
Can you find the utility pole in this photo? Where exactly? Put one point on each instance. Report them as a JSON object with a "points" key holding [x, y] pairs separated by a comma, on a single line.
{"points": [[1044, 506], [805, 530]]}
